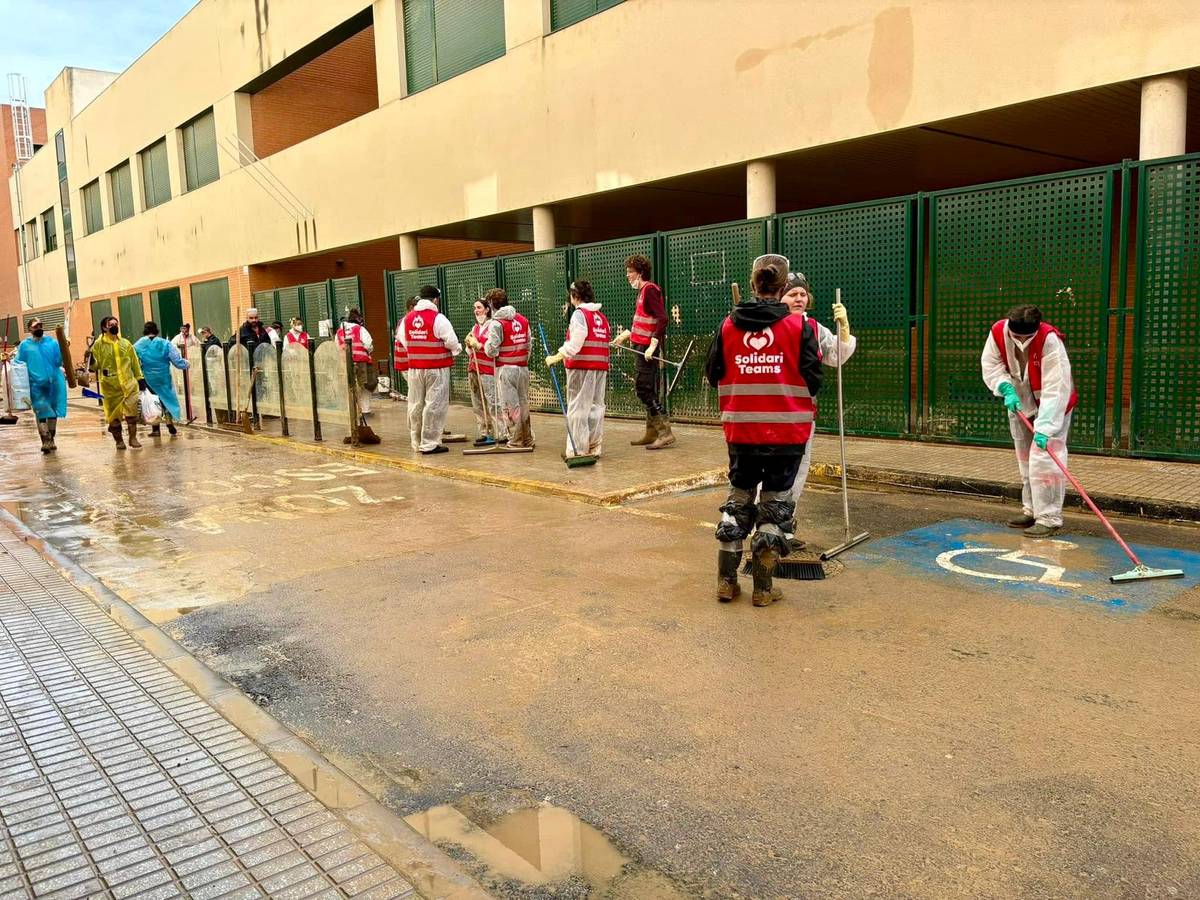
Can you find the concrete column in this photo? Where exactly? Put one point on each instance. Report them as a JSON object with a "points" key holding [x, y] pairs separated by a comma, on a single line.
{"points": [[760, 188], [232, 122], [408, 251], [1164, 116], [543, 228], [391, 78]]}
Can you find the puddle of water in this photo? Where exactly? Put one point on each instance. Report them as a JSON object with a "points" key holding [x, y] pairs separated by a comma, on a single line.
{"points": [[543, 846]]}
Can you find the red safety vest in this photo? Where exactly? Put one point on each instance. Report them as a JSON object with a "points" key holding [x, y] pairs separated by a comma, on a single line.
{"points": [[1034, 367], [763, 397], [424, 350], [480, 362], [644, 326], [361, 354], [399, 354], [292, 339], [594, 352], [514, 346]]}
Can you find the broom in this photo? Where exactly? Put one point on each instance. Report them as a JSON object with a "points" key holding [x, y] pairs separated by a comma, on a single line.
{"points": [[576, 459], [360, 431]]}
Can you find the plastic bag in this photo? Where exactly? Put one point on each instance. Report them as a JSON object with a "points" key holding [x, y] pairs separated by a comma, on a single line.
{"points": [[18, 380], [152, 410]]}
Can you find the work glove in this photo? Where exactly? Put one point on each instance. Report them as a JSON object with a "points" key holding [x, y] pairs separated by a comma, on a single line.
{"points": [[1041, 440], [142, 385], [472, 342], [1009, 393], [622, 337], [842, 318], [553, 360], [649, 354]]}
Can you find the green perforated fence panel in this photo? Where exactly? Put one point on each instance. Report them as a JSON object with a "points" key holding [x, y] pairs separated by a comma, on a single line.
{"points": [[864, 249], [315, 305], [404, 284], [701, 266], [463, 284], [1044, 241], [1166, 374], [287, 305], [267, 305], [603, 264], [346, 295], [537, 287]]}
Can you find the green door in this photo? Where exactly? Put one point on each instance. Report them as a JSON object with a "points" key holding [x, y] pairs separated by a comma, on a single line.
{"points": [[210, 306], [101, 309], [132, 315], [167, 311]]}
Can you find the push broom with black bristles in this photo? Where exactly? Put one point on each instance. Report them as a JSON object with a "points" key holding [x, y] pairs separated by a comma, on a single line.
{"points": [[1140, 571], [576, 459]]}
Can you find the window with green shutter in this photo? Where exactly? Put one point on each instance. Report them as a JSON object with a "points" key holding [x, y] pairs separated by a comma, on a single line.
{"points": [[444, 38], [564, 13], [156, 182], [93, 213], [49, 230], [200, 163], [210, 307], [31, 240], [131, 313], [121, 185], [101, 309]]}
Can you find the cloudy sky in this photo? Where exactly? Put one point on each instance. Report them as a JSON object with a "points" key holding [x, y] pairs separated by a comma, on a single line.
{"points": [[39, 37]]}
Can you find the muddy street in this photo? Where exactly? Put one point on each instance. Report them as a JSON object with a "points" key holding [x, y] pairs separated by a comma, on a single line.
{"points": [[548, 689]]}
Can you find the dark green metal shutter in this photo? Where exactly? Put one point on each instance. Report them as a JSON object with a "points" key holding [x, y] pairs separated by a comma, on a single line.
{"points": [[1044, 241], [156, 183], [1166, 358], [287, 305], [866, 250], [347, 294], [167, 311], [564, 13], [265, 303], [315, 305], [132, 315], [537, 288], [200, 159], [603, 264], [10, 330], [418, 44], [444, 38], [100, 310], [210, 306], [93, 212], [464, 283], [122, 192]]}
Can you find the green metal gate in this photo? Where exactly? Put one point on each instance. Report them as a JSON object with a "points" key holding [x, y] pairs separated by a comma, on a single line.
{"points": [[131, 313], [344, 294], [400, 286], [1166, 363], [866, 249], [701, 265], [1045, 241], [603, 265], [537, 286], [462, 284]]}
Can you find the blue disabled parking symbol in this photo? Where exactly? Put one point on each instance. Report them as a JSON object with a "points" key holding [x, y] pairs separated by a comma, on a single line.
{"points": [[1069, 568]]}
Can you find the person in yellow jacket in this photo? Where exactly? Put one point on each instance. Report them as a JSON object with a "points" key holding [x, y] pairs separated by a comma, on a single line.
{"points": [[119, 374]]}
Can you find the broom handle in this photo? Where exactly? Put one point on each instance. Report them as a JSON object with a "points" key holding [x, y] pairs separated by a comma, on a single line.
{"points": [[561, 403], [1084, 494], [837, 362]]}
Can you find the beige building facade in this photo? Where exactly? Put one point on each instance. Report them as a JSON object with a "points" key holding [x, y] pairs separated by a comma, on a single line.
{"points": [[342, 140]]}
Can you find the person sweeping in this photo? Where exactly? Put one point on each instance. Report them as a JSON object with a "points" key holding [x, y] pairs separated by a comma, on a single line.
{"points": [[42, 357], [585, 354], [508, 342], [157, 355], [481, 379], [431, 345], [766, 367], [119, 373], [649, 331], [1025, 363]]}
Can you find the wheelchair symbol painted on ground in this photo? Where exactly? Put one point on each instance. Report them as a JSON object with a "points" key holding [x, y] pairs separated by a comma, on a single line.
{"points": [[1051, 573]]}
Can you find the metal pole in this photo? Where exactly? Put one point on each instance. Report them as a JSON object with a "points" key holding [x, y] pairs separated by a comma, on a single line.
{"points": [[837, 361], [312, 382], [208, 414], [282, 403]]}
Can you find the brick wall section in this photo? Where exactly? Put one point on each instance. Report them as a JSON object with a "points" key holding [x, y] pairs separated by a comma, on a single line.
{"points": [[10, 293], [337, 86]]}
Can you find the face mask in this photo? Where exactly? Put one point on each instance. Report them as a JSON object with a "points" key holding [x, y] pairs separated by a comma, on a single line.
{"points": [[38, 332], [480, 318], [114, 330], [295, 329], [1022, 340]]}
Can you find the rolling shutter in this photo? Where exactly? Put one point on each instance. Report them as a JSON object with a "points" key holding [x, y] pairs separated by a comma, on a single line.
{"points": [[122, 192], [200, 162], [156, 182]]}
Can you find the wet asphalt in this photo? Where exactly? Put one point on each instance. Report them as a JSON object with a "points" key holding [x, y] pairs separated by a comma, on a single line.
{"points": [[892, 730]]}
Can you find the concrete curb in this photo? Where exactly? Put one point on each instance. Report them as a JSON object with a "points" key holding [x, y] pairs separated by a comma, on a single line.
{"points": [[432, 872]]}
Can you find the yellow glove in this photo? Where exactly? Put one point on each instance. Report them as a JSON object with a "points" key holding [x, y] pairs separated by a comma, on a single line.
{"points": [[649, 354], [622, 337], [842, 318], [472, 342], [553, 360]]}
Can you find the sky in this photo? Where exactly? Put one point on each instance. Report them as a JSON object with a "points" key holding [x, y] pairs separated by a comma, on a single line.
{"points": [[39, 37]]}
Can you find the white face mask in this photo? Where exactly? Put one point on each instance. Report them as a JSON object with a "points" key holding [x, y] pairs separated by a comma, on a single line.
{"points": [[295, 329], [480, 319], [1022, 341]]}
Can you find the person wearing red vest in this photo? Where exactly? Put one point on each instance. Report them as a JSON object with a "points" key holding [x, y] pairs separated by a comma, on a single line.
{"points": [[296, 335], [366, 373], [508, 343], [766, 367], [1025, 363], [431, 343], [585, 354], [399, 353], [649, 331], [481, 379]]}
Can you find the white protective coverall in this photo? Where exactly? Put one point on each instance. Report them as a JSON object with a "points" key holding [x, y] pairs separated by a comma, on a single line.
{"points": [[585, 390], [1043, 485], [512, 384], [834, 353], [429, 389]]}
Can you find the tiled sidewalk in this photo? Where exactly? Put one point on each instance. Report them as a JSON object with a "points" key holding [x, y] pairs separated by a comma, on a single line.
{"points": [[117, 780]]}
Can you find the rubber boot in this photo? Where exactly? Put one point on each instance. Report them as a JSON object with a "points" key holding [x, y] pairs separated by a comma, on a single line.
{"points": [[131, 423], [171, 429], [44, 433], [664, 437], [650, 436], [155, 431], [115, 430], [728, 588], [763, 569], [53, 425], [796, 545]]}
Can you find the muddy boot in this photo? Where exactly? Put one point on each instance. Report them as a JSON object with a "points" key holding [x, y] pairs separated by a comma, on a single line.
{"points": [[728, 588], [43, 428], [53, 426], [171, 429], [650, 436], [664, 437], [155, 431], [763, 569], [115, 431], [795, 545], [131, 424]]}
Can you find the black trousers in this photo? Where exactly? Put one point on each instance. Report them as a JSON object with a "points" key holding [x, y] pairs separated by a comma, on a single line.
{"points": [[774, 471], [647, 383]]}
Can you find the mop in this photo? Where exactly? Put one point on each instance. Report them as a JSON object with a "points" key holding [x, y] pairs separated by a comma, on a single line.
{"points": [[576, 459], [497, 447], [1140, 571], [857, 539]]}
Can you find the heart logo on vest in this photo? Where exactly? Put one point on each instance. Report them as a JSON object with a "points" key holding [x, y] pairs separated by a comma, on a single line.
{"points": [[516, 324], [759, 340], [599, 322]]}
